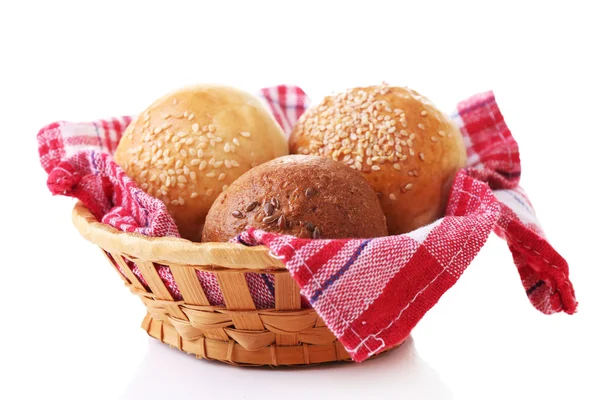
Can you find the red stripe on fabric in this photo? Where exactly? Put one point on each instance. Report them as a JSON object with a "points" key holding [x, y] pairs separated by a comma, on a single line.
{"points": [[117, 129], [106, 130], [314, 263], [464, 196], [300, 101], [548, 265], [282, 101], [414, 278]]}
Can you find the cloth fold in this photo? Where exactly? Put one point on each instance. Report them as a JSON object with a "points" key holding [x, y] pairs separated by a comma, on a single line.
{"points": [[369, 292]]}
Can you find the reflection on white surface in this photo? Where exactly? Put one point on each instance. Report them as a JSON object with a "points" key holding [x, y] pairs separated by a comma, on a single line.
{"points": [[166, 373]]}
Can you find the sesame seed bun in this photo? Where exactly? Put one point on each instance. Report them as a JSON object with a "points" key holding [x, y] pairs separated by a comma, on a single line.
{"points": [[302, 196], [407, 149], [190, 145]]}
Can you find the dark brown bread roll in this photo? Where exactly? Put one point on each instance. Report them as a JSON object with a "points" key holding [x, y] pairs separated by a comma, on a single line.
{"points": [[303, 196]]}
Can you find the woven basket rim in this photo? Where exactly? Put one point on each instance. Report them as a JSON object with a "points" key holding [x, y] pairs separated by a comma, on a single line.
{"points": [[170, 250]]}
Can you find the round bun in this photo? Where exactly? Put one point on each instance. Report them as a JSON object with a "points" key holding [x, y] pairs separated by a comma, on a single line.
{"points": [[190, 145], [303, 196], [406, 148]]}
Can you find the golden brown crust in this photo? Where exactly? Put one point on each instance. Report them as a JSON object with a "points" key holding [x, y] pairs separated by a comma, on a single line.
{"points": [[189, 145], [303, 196], [406, 149]]}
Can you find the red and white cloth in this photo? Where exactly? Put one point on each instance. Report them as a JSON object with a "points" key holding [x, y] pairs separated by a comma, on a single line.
{"points": [[369, 292]]}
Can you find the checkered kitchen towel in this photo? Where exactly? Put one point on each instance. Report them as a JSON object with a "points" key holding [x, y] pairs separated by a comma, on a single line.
{"points": [[372, 292]]}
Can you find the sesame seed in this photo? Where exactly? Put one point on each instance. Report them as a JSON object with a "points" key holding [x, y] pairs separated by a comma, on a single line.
{"points": [[177, 146], [194, 162], [423, 113], [192, 175], [189, 141], [183, 153], [218, 164], [236, 141], [421, 126], [422, 156], [245, 134], [235, 163], [227, 164], [178, 164], [411, 152], [144, 173], [211, 174], [181, 179], [144, 186], [175, 202], [397, 167], [186, 170], [408, 186], [375, 168], [195, 128], [221, 176], [202, 165], [212, 128], [211, 161], [210, 192], [226, 148], [442, 133], [174, 101], [168, 182], [181, 186], [434, 139], [392, 196], [181, 200], [193, 195], [224, 188], [191, 117]]}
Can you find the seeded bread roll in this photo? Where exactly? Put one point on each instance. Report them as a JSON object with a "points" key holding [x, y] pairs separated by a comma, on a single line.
{"points": [[188, 146], [406, 148], [303, 196]]}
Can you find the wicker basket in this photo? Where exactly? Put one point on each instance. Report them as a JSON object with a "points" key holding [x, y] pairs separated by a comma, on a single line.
{"points": [[237, 333]]}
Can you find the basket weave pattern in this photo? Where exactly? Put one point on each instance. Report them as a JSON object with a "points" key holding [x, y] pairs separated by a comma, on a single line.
{"points": [[237, 333]]}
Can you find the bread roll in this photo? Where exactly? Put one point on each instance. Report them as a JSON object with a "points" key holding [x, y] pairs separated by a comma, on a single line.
{"points": [[303, 196], [406, 148], [190, 145]]}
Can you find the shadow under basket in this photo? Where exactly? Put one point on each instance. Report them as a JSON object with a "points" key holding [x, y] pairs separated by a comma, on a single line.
{"points": [[237, 333]]}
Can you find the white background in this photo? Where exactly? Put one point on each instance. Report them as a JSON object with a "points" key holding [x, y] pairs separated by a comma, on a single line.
{"points": [[69, 329]]}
